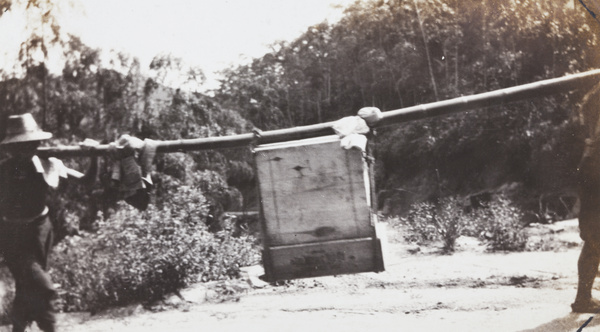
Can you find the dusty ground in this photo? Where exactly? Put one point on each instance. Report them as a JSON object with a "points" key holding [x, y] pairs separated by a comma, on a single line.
{"points": [[470, 290]]}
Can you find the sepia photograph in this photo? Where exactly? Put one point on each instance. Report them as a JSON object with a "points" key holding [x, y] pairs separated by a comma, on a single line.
{"points": [[299, 165]]}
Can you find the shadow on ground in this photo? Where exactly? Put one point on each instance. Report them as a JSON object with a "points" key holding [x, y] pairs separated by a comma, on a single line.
{"points": [[571, 322]]}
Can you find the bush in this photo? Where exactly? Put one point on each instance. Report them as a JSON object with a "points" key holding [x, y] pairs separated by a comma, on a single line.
{"points": [[142, 256], [498, 224], [502, 228], [443, 220], [419, 228]]}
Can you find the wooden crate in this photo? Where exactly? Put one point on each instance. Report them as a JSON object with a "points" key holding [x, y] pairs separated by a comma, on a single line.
{"points": [[315, 209]]}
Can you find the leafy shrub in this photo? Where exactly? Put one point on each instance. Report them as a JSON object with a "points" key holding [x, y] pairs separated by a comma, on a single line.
{"points": [[142, 256], [443, 220], [502, 226], [419, 228]]}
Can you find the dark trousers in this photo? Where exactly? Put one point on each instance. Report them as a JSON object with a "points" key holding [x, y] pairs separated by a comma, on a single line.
{"points": [[589, 197], [26, 248]]}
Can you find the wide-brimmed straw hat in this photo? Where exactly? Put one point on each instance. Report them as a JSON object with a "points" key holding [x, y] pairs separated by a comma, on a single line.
{"points": [[23, 128]]}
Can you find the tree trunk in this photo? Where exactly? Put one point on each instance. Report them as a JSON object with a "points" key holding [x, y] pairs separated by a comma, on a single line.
{"points": [[44, 100], [429, 64], [287, 107], [457, 88], [319, 115]]}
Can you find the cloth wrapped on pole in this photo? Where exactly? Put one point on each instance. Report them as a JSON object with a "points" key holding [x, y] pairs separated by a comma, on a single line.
{"points": [[460, 104]]}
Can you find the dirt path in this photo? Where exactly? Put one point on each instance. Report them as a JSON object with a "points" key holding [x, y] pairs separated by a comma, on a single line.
{"points": [[467, 291]]}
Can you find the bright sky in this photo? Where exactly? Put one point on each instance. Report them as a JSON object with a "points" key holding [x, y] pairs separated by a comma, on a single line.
{"points": [[210, 34]]}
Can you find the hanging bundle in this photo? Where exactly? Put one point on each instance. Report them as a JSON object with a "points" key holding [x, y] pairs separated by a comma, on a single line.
{"points": [[131, 168]]}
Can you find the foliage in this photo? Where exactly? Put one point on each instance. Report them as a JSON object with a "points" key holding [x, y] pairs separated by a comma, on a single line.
{"points": [[388, 55], [376, 56], [141, 256], [499, 224], [7, 293], [124, 255], [442, 219], [102, 99], [502, 226]]}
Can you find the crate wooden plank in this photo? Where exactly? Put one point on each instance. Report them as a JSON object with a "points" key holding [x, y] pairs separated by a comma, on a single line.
{"points": [[312, 192], [325, 258]]}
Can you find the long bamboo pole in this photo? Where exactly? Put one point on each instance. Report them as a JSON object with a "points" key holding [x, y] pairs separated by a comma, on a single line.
{"points": [[418, 112]]}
